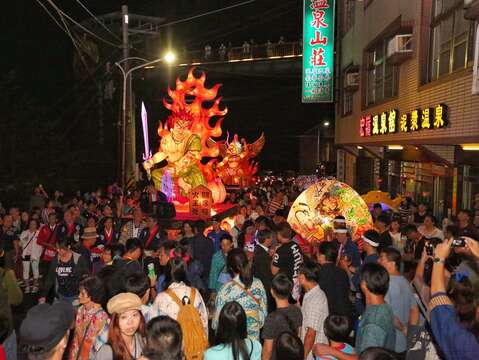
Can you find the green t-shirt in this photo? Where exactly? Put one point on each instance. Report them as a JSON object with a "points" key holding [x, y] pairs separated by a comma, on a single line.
{"points": [[376, 328]]}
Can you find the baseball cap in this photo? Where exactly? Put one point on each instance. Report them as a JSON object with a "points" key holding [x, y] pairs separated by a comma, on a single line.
{"points": [[45, 325]]}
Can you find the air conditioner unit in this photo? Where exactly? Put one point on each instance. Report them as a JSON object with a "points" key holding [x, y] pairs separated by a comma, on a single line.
{"points": [[471, 8], [399, 48], [351, 81]]}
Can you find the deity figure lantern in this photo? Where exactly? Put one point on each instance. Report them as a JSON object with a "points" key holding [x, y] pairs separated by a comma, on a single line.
{"points": [[186, 139], [237, 166]]}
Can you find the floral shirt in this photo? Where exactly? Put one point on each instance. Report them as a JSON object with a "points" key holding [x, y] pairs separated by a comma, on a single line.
{"points": [[92, 322], [256, 311]]}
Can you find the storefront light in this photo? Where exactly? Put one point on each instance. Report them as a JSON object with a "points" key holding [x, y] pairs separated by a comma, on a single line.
{"points": [[470, 147], [395, 147]]}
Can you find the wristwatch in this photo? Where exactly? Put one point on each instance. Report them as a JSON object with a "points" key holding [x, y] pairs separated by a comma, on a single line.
{"points": [[439, 260]]}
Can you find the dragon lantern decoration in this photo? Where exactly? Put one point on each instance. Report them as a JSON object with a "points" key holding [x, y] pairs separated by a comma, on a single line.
{"points": [[186, 137], [237, 166]]}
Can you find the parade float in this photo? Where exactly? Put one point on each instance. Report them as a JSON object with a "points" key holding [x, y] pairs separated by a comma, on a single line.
{"points": [[312, 213], [192, 162], [238, 167]]}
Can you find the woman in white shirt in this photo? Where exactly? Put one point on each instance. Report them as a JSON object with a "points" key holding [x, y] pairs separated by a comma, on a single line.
{"points": [[429, 230], [176, 278], [31, 253]]}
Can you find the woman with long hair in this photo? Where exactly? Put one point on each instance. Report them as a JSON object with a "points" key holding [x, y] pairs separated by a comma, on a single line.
{"points": [[246, 290], [177, 284], [127, 328], [232, 342], [164, 339]]}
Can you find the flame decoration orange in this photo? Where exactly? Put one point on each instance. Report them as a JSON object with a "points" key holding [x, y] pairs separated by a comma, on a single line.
{"points": [[194, 88]]}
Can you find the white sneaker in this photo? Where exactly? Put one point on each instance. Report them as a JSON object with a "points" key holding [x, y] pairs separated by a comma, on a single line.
{"points": [[27, 290]]}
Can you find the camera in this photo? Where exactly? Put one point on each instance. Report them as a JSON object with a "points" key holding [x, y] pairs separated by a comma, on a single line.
{"points": [[430, 248], [459, 242]]}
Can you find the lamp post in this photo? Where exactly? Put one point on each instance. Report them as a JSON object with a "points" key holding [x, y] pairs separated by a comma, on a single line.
{"points": [[126, 72]]}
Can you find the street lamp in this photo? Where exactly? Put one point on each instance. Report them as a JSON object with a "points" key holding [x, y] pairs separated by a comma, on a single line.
{"points": [[168, 58]]}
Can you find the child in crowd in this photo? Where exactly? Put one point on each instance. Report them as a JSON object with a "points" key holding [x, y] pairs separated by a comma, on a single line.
{"points": [[337, 328]]}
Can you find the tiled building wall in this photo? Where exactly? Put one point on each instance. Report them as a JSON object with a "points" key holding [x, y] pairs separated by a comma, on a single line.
{"points": [[454, 90]]}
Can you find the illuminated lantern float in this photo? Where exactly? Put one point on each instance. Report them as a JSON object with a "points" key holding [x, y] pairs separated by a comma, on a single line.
{"points": [[312, 213], [237, 166]]}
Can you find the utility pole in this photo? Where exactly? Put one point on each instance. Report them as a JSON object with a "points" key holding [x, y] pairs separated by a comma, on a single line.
{"points": [[126, 118]]}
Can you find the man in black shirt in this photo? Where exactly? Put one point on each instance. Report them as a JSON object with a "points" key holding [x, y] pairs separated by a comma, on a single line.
{"points": [[288, 257], [262, 262], [334, 281], [286, 317]]}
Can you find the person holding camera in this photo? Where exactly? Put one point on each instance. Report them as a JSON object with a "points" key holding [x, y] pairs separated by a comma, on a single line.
{"points": [[454, 310]]}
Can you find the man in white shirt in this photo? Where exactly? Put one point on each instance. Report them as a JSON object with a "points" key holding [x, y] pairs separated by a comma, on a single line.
{"points": [[314, 309]]}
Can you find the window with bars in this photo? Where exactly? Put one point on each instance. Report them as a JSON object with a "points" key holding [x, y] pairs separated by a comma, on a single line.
{"points": [[452, 38], [382, 78], [347, 102]]}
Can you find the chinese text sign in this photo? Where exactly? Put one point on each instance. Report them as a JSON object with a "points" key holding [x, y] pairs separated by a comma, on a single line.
{"points": [[318, 51]]}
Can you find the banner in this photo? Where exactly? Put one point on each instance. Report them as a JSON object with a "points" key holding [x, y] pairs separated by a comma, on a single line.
{"points": [[318, 51]]}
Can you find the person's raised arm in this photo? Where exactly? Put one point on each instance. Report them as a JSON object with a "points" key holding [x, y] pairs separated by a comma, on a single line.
{"points": [[438, 279], [322, 349]]}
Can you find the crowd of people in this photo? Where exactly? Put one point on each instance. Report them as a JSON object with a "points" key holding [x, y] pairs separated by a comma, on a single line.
{"points": [[113, 283], [249, 49]]}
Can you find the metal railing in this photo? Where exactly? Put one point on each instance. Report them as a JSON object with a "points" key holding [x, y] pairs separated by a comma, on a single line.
{"points": [[238, 53]]}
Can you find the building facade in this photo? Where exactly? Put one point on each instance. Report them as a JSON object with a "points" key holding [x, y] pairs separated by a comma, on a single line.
{"points": [[407, 117]]}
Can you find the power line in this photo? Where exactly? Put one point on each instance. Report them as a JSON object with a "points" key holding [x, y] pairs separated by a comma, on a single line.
{"points": [[51, 15], [203, 14], [80, 25], [98, 20]]}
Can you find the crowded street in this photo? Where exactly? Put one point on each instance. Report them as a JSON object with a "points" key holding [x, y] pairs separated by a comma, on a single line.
{"points": [[240, 180]]}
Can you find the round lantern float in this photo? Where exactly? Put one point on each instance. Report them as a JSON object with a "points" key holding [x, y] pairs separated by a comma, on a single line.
{"points": [[312, 213]]}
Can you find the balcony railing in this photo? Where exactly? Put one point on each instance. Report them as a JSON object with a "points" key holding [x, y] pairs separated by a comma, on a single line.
{"points": [[244, 53]]}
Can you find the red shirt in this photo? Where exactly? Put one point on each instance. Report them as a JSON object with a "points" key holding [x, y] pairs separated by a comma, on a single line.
{"points": [[47, 237]]}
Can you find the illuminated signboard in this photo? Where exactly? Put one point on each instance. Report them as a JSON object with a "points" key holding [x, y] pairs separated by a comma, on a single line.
{"points": [[318, 51], [391, 121], [200, 201]]}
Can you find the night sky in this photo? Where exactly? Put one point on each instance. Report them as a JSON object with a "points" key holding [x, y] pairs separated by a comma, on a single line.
{"points": [[41, 56]]}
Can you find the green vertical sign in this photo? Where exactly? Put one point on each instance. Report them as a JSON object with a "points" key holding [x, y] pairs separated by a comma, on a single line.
{"points": [[318, 51]]}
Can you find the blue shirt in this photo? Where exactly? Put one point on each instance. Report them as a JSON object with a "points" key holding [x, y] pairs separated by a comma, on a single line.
{"points": [[222, 352], [216, 237], [456, 342], [350, 249]]}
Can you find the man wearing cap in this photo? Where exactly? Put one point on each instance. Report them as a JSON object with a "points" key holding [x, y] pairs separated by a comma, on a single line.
{"points": [[45, 330], [88, 240], [348, 253], [370, 247]]}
